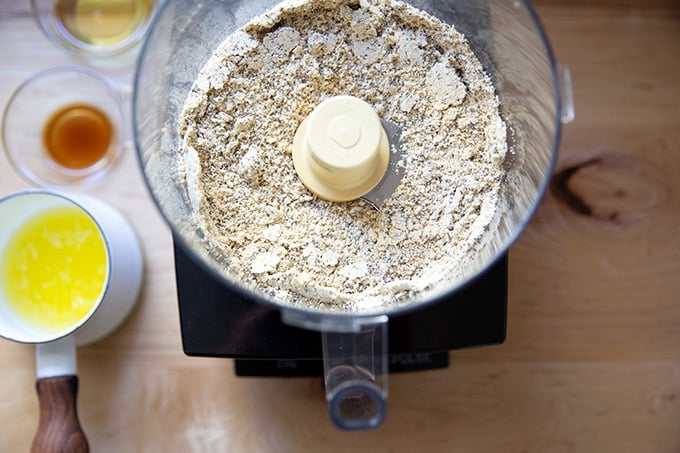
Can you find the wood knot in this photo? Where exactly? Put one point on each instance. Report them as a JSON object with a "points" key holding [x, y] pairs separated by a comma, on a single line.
{"points": [[612, 187]]}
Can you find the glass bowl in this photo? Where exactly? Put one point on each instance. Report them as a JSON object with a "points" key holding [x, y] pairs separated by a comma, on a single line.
{"points": [[64, 127], [95, 28]]}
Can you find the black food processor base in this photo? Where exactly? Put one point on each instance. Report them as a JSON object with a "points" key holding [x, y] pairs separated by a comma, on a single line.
{"points": [[218, 322]]}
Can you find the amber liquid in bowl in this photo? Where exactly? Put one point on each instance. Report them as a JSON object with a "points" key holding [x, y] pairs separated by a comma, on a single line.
{"points": [[77, 136]]}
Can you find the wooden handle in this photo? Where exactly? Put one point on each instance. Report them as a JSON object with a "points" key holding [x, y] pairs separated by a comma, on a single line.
{"points": [[59, 430]]}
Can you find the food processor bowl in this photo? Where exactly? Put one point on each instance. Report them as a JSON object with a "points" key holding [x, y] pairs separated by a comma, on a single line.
{"points": [[509, 41]]}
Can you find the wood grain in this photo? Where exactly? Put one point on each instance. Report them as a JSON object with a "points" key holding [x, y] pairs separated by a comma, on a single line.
{"points": [[59, 430], [592, 358]]}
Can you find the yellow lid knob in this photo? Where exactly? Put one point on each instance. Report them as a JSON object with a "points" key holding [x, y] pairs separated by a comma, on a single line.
{"points": [[341, 151]]}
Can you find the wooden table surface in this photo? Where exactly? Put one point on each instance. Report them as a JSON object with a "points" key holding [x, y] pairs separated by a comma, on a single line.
{"points": [[592, 358]]}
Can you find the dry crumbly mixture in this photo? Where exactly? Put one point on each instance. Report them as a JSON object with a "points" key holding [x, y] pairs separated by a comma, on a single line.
{"points": [[238, 126]]}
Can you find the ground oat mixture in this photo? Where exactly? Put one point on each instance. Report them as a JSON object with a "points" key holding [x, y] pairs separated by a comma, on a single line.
{"points": [[238, 126]]}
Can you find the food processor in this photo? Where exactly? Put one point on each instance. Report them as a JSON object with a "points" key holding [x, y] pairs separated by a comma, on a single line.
{"points": [[221, 316]]}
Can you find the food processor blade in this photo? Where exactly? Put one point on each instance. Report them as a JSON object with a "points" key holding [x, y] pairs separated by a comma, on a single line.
{"points": [[395, 169]]}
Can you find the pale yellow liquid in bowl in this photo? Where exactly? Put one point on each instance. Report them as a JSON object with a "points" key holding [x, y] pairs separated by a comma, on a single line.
{"points": [[102, 22], [54, 269]]}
